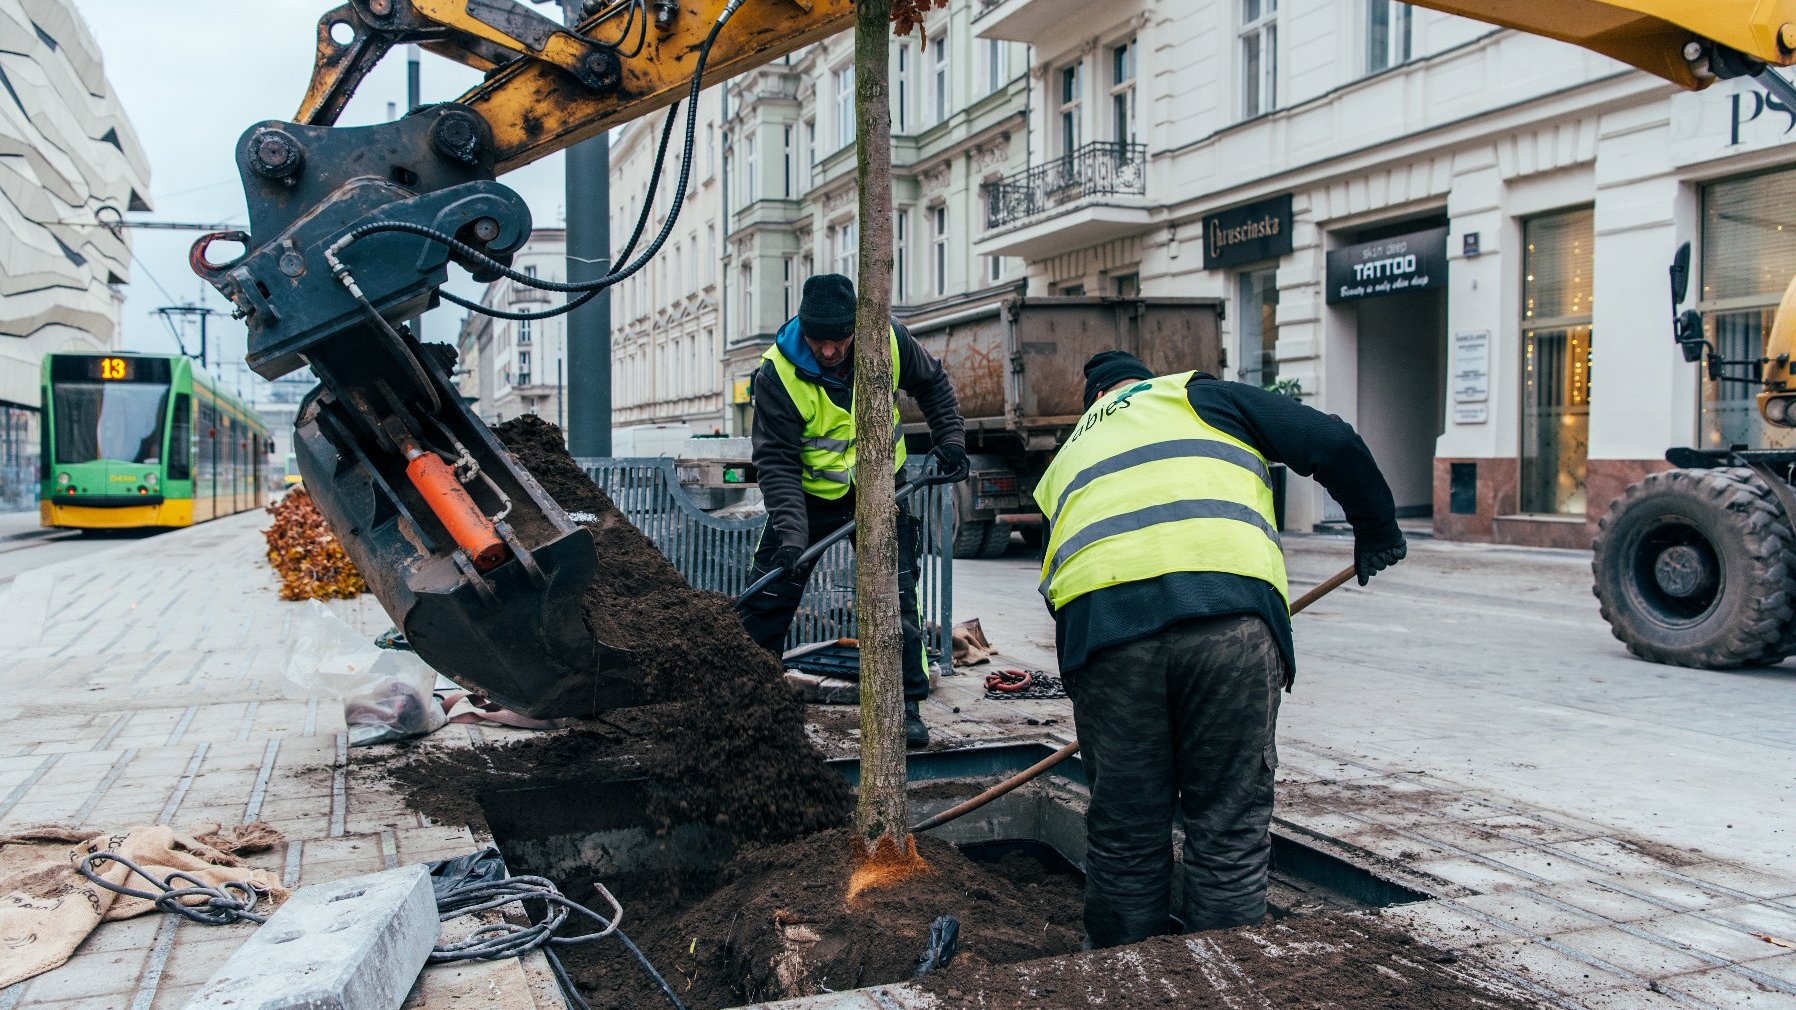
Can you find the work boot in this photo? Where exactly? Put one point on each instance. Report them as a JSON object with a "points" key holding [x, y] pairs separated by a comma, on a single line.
{"points": [[916, 735]]}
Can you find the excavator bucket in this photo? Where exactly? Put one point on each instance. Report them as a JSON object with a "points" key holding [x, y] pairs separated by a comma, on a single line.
{"points": [[515, 632]]}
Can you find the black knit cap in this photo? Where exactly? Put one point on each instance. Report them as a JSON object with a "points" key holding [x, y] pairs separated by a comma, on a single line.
{"points": [[1109, 368], [827, 310]]}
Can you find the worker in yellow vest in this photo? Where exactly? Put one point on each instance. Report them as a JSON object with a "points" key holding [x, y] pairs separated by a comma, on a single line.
{"points": [[804, 451], [1166, 579]]}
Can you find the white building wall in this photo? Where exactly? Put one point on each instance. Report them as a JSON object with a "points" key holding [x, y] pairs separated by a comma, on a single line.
{"points": [[510, 366]]}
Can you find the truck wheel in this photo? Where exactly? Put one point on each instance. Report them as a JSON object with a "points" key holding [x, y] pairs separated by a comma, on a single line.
{"points": [[969, 539], [997, 541], [1690, 569]]}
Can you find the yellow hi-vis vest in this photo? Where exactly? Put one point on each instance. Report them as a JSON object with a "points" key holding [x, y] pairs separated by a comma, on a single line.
{"points": [[827, 450], [1144, 487]]}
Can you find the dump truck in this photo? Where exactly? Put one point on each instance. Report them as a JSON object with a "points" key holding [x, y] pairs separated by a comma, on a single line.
{"points": [[1017, 363]]}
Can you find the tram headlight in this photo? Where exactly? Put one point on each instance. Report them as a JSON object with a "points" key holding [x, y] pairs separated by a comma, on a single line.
{"points": [[62, 480], [150, 479]]}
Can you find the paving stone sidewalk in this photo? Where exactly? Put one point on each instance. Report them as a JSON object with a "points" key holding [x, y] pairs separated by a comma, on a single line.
{"points": [[143, 684]]}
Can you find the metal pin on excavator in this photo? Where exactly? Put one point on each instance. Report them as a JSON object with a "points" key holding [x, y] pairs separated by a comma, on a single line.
{"points": [[352, 230]]}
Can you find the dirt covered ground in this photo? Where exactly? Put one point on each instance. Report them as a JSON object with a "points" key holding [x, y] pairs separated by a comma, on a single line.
{"points": [[1340, 961], [776, 926]]}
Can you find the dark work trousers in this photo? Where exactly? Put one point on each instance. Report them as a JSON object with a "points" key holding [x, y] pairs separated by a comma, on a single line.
{"points": [[1183, 719], [768, 616]]}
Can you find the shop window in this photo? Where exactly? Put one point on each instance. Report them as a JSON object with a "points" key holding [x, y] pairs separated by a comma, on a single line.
{"points": [[1748, 256], [1259, 326], [1557, 266]]}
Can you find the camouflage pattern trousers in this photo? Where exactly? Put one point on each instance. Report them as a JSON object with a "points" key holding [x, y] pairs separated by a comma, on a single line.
{"points": [[1180, 721]]}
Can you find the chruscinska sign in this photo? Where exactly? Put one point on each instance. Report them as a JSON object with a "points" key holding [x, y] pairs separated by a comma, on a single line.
{"points": [[1413, 262], [1249, 233]]}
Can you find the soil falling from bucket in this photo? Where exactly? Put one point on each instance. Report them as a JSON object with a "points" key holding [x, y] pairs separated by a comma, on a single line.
{"points": [[723, 739]]}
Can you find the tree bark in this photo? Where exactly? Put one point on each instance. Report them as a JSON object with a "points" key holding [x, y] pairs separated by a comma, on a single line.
{"points": [[881, 810]]}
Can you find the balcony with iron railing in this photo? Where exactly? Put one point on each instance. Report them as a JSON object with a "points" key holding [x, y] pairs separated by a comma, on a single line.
{"points": [[1033, 22], [1093, 194]]}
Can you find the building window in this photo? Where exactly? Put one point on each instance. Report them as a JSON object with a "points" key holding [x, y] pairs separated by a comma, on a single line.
{"points": [[1556, 308], [787, 280], [710, 150], [939, 256], [901, 92], [523, 333], [1387, 34], [901, 255], [523, 368], [1259, 57], [750, 165], [787, 154], [747, 298], [994, 65], [1122, 92], [1126, 285], [1072, 88], [807, 153], [848, 249], [845, 106], [1747, 258], [711, 256], [530, 270], [994, 268], [1259, 326], [939, 49]]}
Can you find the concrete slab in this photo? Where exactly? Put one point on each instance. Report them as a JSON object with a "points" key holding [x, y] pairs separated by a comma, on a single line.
{"points": [[354, 944]]}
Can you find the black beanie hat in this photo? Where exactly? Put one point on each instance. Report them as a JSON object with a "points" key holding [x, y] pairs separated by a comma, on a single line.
{"points": [[827, 310], [1109, 368]]}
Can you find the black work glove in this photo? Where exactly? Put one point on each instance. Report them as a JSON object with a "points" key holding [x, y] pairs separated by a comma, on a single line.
{"points": [[786, 557], [1369, 561], [952, 459]]}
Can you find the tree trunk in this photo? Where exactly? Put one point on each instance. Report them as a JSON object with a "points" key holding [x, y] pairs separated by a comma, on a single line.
{"points": [[881, 811]]}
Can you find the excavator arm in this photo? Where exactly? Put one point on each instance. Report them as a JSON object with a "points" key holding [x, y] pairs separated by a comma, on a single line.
{"points": [[352, 230]]}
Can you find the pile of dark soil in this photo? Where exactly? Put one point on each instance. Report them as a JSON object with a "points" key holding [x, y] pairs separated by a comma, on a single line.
{"points": [[1338, 962], [776, 926], [723, 739]]}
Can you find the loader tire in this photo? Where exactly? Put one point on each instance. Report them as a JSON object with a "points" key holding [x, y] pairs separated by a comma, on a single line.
{"points": [[1691, 568]]}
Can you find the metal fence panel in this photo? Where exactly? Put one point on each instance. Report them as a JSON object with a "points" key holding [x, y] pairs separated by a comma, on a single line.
{"points": [[717, 554]]}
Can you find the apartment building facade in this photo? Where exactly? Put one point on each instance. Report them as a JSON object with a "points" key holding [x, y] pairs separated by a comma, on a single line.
{"points": [[667, 337], [1453, 236], [771, 202], [69, 159], [512, 367]]}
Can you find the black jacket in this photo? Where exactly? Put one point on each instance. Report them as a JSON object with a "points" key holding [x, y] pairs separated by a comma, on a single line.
{"points": [[1309, 443], [778, 426]]}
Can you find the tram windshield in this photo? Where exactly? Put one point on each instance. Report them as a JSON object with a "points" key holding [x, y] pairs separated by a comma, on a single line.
{"points": [[116, 421]]}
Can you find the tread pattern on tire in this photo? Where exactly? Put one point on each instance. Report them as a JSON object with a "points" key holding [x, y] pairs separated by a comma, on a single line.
{"points": [[1764, 589], [969, 539]]}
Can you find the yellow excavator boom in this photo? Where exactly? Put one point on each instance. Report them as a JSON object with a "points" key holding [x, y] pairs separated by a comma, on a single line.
{"points": [[1654, 35]]}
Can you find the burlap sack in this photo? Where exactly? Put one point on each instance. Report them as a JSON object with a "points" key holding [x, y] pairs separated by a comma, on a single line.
{"points": [[47, 909]]}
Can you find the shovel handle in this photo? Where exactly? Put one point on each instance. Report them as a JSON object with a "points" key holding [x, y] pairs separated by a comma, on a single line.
{"points": [[843, 532]]}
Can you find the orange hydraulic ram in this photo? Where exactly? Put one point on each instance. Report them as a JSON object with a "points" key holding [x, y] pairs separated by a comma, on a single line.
{"points": [[469, 526]]}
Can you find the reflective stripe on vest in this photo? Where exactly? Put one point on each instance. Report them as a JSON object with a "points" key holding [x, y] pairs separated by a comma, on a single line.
{"points": [[826, 449], [1144, 487]]}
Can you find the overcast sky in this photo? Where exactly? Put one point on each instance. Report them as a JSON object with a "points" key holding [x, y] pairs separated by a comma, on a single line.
{"points": [[193, 76]]}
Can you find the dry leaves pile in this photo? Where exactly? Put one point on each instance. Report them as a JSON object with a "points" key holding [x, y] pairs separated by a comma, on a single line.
{"points": [[311, 563], [908, 14]]}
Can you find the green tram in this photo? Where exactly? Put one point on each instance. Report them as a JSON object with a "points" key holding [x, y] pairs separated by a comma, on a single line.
{"points": [[144, 440]]}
